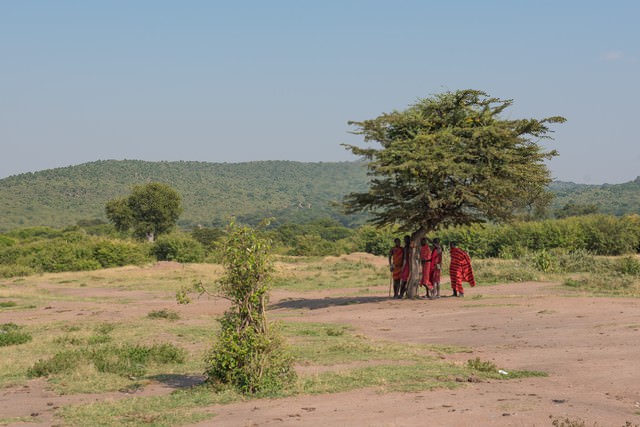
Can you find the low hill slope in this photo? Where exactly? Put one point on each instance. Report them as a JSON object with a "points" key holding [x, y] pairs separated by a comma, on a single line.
{"points": [[211, 192]]}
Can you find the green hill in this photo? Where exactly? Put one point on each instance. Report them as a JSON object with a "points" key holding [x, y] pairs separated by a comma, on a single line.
{"points": [[214, 192], [613, 199], [211, 192]]}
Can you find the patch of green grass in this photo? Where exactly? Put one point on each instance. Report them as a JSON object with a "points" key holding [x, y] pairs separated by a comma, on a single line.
{"points": [[7, 304], [606, 284], [327, 344], [163, 314], [125, 360], [494, 270], [312, 343], [12, 334], [16, 420], [177, 408], [330, 275]]}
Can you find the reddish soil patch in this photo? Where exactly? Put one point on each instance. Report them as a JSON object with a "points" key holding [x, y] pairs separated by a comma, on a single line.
{"points": [[588, 346]]}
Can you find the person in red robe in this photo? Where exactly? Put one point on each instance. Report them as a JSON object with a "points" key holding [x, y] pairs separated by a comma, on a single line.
{"points": [[396, 258], [425, 261], [460, 270], [436, 267], [406, 266]]}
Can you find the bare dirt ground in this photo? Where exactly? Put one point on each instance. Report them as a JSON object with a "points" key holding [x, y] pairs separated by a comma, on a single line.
{"points": [[590, 347]]}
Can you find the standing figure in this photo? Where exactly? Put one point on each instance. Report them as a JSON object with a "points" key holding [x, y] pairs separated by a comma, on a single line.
{"points": [[425, 261], [460, 270], [406, 266], [396, 259], [436, 267]]}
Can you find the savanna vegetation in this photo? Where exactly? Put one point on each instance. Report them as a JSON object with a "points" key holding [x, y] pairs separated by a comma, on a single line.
{"points": [[91, 355], [289, 192], [594, 253]]}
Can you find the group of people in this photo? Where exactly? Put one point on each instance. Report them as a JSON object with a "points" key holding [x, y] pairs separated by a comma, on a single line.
{"points": [[430, 267]]}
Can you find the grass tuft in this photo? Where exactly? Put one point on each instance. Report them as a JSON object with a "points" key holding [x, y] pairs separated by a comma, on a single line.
{"points": [[163, 314], [11, 334]]}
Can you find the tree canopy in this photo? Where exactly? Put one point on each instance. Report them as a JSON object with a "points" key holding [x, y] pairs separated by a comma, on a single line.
{"points": [[150, 209], [451, 159]]}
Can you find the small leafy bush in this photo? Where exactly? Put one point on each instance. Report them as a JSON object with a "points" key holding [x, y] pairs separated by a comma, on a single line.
{"points": [[178, 248], [11, 334], [628, 265], [115, 253], [15, 270], [481, 365], [163, 314]]}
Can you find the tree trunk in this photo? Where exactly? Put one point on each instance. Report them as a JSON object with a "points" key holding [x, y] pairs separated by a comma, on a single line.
{"points": [[413, 284]]}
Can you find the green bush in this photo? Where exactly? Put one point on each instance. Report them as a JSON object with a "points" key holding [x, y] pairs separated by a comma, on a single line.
{"points": [[178, 248], [249, 354], [312, 245], [6, 241], [115, 253], [628, 265], [11, 334], [15, 270], [35, 233], [373, 240], [254, 362], [207, 236], [481, 365], [60, 254]]}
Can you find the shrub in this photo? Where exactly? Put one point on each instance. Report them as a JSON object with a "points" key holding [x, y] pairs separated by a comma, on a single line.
{"points": [[60, 254], [115, 253], [628, 265], [15, 270], [312, 245], [249, 354], [481, 365], [163, 314], [373, 240], [11, 334], [6, 241], [178, 248]]}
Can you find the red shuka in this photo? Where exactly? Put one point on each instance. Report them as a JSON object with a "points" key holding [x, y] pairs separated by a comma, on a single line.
{"points": [[396, 260], [460, 269], [425, 259], [436, 260]]}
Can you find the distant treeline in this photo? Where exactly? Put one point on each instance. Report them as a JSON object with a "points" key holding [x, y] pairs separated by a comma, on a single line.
{"points": [[92, 245], [212, 193]]}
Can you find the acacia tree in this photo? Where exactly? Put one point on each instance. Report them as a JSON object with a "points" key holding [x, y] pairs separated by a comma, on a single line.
{"points": [[451, 159], [150, 209]]}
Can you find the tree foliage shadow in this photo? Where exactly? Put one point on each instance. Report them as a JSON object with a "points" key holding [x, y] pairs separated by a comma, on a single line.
{"points": [[179, 381], [317, 303]]}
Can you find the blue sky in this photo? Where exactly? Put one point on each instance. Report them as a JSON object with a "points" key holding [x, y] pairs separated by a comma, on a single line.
{"points": [[223, 81]]}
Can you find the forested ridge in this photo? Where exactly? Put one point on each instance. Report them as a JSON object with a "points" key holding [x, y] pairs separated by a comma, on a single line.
{"points": [[213, 192]]}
